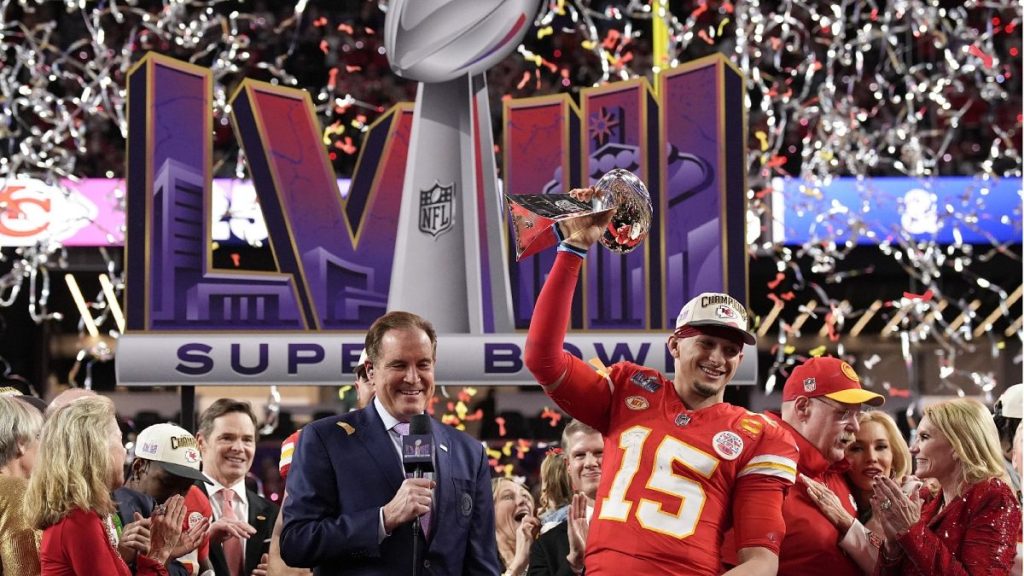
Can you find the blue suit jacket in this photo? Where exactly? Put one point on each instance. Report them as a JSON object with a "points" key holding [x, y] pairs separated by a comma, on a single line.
{"points": [[346, 468]]}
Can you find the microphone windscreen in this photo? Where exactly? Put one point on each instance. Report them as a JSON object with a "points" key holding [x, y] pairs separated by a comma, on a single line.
{"points": [[419, 424]]}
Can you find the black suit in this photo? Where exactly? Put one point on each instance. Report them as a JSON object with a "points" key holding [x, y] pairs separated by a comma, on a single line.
{"points": [[548, 553], [262, 515]]}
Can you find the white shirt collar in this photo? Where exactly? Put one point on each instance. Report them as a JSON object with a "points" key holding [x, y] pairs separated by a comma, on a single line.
{"points": [[385, 416], [238, 489]]}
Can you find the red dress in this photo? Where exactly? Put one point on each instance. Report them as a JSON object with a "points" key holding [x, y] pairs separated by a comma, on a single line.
{"points": [[78, 546], [975, 535]]}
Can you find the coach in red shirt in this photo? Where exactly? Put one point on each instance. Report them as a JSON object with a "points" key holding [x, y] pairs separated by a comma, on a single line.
{"points": [[820, 404]]}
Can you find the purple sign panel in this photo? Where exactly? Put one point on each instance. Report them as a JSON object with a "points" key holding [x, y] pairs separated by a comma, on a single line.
{"points": [[334, 252]]}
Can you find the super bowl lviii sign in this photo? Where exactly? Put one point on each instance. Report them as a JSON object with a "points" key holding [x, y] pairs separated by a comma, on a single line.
{"points": [[421, 226]]}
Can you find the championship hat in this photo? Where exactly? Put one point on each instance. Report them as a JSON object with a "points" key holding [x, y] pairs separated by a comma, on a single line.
{"points": [[173, 449], [829, 377], [714, 310]]}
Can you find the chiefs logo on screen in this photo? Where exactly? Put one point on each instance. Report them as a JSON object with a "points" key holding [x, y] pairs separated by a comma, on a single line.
{"points": [[32, 211]]}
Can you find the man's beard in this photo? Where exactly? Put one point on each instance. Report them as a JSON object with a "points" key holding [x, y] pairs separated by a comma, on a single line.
{"points": [[704, 390]]}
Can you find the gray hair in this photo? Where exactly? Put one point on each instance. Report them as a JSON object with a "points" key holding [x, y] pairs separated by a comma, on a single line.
{"points": [[20, 424]]}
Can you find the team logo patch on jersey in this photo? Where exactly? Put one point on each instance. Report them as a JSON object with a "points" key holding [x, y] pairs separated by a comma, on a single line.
{"points": [[645, 382], [728, 444], [682, 419], [810, 385], [194, 518], [637, 403]]}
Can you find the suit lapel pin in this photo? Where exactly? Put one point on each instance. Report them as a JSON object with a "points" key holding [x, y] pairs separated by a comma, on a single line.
{"points": [[261, 517], [443, 447], [347, 428]]}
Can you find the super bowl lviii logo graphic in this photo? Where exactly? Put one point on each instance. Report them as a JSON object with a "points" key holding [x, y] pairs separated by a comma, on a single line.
{"points": [[421, 227]]}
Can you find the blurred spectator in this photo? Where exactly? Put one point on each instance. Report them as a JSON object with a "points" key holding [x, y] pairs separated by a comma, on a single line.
{"points": [[971, 525], [1007, 414], [80, 462], [555, 492], [19, 444], [515, 524], [66, 397]]}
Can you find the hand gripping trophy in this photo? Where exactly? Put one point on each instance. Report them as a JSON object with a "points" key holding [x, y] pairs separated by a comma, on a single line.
{"points": [[448, 45]]}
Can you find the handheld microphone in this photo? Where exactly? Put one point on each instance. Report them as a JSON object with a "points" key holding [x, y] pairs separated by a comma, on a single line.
{"points": [[417, 458], [418, 447]]}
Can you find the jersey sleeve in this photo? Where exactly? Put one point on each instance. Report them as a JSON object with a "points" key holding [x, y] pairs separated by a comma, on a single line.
{"points": [[584, 394], [761, 486]]}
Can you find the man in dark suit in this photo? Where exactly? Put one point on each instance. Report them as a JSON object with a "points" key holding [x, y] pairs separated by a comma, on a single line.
{"points": [[350, 508], [242, 518], [559, 551]]}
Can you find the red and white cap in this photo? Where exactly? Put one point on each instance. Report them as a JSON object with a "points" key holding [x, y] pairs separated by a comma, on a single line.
{"points": [[714, 310], [829, 377], [173, 449]]}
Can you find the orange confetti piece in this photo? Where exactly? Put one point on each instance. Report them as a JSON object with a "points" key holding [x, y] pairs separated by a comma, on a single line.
{"points": [[985, 58], [549, 414], [926, 297], [522, 83], [350, 69], [320, 22], [779, 277], [324, 46], [346, 29], [501, 425]]}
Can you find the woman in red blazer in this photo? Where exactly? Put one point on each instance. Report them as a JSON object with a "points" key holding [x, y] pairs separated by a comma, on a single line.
{"points": [[81, 460], [970, 527]]}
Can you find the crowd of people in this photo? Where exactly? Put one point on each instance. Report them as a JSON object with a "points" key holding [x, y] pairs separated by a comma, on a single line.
{"points": [[653, 475]]}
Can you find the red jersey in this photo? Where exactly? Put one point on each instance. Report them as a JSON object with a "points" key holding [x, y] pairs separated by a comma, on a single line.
{"points": [[197, 507], [673, 479]]}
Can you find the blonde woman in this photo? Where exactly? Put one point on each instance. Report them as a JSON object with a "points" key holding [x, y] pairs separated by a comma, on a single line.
{"points": [[80, 462], [19, 442], [878, 449], [515, 525], [971, 525]]}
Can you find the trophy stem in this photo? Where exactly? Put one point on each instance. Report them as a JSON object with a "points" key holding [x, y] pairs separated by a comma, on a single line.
{"points": [[441, 268]]}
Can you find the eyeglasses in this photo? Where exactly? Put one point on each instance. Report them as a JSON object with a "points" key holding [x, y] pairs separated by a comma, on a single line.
{"points": [[843, 414]]}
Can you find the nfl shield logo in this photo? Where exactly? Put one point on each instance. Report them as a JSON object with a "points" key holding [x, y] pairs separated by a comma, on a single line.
{"points": [[437, 206], [810, 385]]}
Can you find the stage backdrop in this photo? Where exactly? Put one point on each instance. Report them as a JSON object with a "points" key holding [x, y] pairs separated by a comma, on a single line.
{"points": [[191, 324]]}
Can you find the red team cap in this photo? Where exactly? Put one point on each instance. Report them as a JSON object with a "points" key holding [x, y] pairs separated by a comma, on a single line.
{"points": [[710, 312], [829, 377], [287, 449]]}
